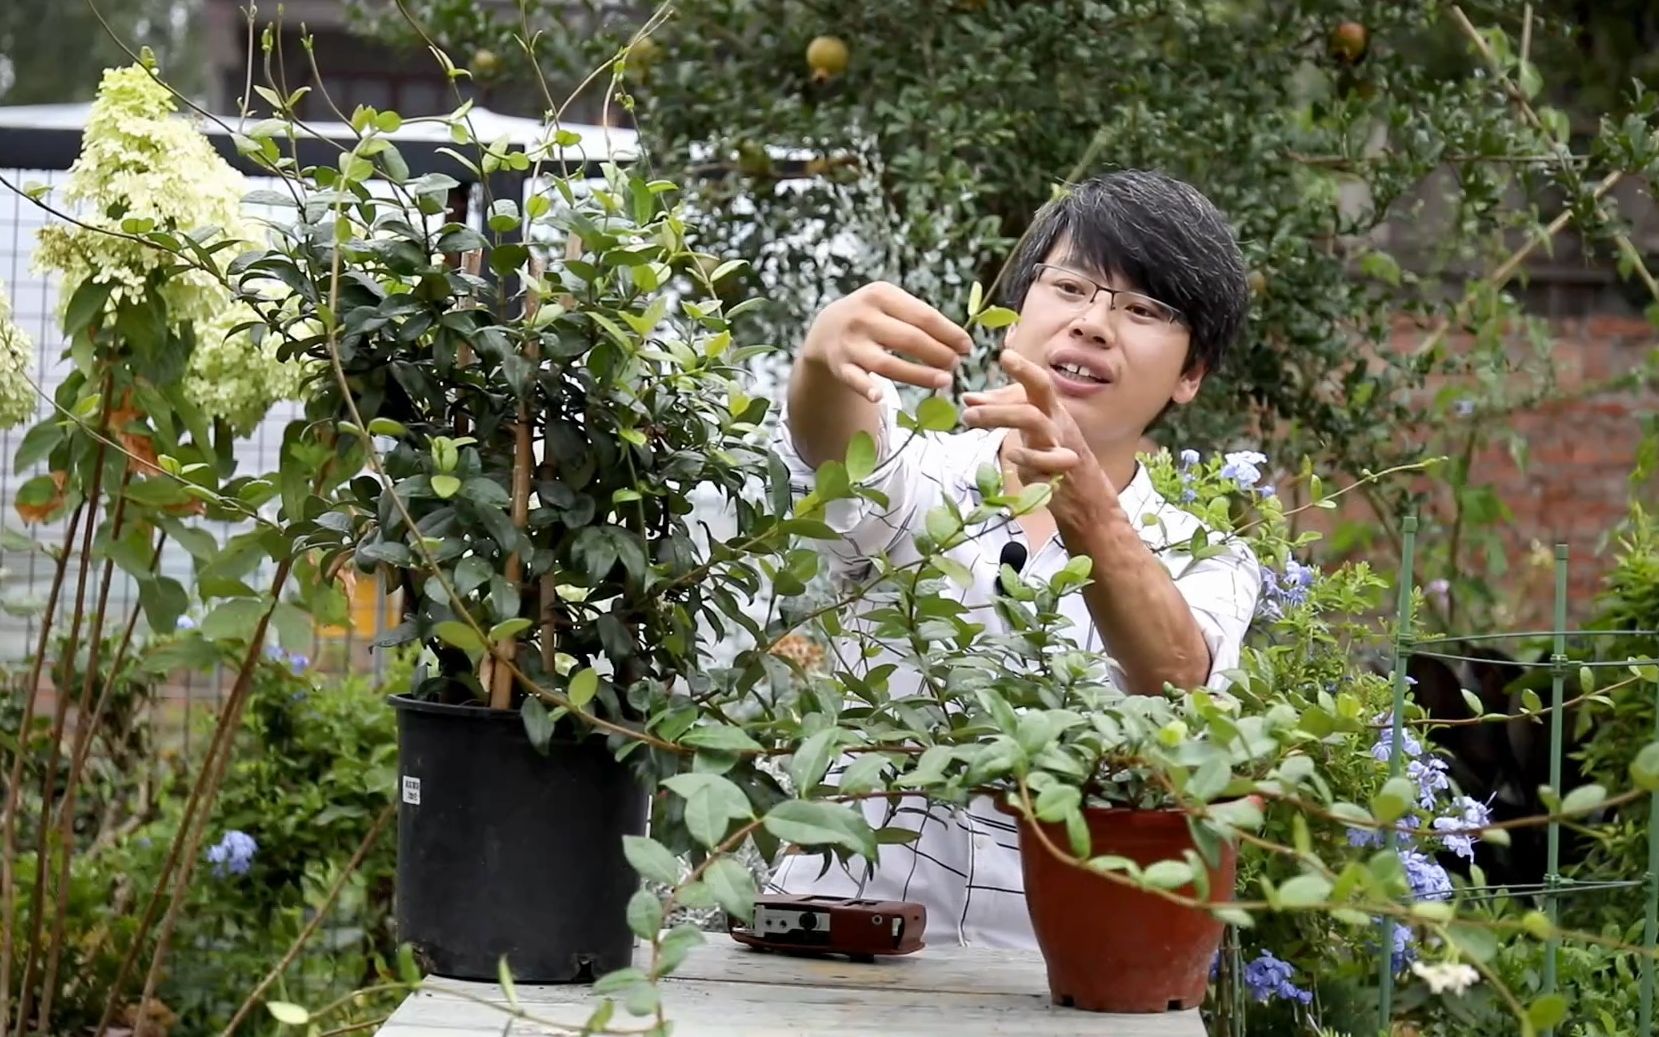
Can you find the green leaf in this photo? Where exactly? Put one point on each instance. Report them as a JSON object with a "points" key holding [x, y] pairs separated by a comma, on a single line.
{"points": [[1381, 266], [863, 774], [1304, 891], [38, 443], [733, 887], [615, 982], [1394, 799], [721, 737], [976, 298], [457, 633], [861, 456], [1056, 801], [651, 859], [645, 914], [288, 1012], [1479, 944], [1168, 874], [538, 723], [164, 600], [1033, 497], [1538, 924], [706, 817], [807, 823], [958, 573], [86, 305], [1433, 910], [712, 802], [1547, 1011], [1234, 916], [1210, 779], [1644, 769], [674, 947], [234, 620], [936, 414], [831, 482], [446, 486], [584, 684], [996, 317], [157, 491], [508, 629], [1583, 799], [808, 764]]}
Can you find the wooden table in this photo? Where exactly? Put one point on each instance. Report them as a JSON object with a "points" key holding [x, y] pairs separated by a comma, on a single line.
{"points": [[726, 990]]}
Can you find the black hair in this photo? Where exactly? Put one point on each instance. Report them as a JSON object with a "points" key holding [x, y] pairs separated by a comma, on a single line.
{"points": [[1161, 235]]}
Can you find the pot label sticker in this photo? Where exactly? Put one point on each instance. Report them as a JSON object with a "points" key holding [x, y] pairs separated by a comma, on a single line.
{"points": [[411, 790]]}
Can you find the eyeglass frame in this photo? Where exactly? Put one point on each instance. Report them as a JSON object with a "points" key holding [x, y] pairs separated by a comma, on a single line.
{"points": [[1111, 293]]}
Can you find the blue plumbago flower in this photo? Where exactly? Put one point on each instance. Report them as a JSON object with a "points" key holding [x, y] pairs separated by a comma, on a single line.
{"points": [[1383, 751], [296, 662], [233, 854], [1429, 772], [1428, 880], [1364, 837], [1376, 837], [1284, 590], [1464, 408], [185, 623], [1189, 457], [1270, 490], [1461, 829], [1244, 468], [1403, 951], [1267, 978]]}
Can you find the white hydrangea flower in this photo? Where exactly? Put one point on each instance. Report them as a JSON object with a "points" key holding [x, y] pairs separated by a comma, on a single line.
{"points": [[218, 375], [140, 161], [1446, 976], [17, 361]]}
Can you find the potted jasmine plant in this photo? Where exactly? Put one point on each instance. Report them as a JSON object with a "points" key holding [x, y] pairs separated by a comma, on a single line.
{"points": [[1129, 807]]}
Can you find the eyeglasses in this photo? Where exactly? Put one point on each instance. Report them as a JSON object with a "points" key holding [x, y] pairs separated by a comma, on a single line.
{"points": [[1074, 291]]}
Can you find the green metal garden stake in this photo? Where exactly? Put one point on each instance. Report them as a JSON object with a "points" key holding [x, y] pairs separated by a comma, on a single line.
{"points": [[1650, 932], [1396, 758], [1558, 676]]}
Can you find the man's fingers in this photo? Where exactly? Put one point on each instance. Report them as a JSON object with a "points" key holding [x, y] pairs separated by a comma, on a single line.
{"points": [[913, 311], [871, 357], [858, 380], [1038, 429], [1039, 387], [909, 341], [1051, 461], [1014, 393]]}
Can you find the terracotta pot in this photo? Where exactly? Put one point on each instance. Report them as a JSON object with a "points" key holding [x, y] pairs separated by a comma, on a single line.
{"points": [[1110, 947]]}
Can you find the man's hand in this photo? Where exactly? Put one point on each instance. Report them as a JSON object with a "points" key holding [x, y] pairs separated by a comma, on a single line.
{"points": [[1048, 443], [882, 329]]}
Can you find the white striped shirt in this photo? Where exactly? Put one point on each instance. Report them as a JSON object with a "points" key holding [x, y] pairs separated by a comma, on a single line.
{"points": [[965, 867]]}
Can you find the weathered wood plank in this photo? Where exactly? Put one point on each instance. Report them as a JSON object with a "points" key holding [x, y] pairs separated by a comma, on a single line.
{"points": [[726, 990]]}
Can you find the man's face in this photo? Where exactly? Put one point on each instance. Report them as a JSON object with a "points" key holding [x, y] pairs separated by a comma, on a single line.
{"points": [[1115, 357]]}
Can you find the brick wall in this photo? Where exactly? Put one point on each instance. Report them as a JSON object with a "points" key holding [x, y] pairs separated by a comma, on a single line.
{"points": [[1580, 449]]}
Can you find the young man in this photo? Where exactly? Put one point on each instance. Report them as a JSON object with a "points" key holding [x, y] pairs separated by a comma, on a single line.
{"points": [[1130, 289]]}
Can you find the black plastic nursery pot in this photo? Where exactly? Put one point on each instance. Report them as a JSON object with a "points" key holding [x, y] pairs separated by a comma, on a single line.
{"points": [[502, 850]]}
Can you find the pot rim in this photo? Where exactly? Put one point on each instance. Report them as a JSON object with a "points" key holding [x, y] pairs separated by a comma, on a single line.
{"points": [[1100, 811], [404, 701]]}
